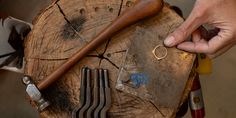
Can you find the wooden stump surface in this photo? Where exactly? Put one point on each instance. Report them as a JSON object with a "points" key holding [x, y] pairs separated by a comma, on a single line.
{"points": [[67, 25]]}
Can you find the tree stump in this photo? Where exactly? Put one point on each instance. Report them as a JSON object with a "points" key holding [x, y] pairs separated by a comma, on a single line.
{"points": [[67, 25]]}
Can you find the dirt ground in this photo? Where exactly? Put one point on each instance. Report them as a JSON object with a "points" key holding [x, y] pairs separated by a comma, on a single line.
{"points": [[218, 88]]}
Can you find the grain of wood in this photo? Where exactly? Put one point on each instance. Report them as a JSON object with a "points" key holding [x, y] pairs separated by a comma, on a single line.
{"points": [[68, 25]]}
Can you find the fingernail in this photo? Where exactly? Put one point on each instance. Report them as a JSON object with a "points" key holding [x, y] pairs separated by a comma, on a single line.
{"points": [[169, 41]]}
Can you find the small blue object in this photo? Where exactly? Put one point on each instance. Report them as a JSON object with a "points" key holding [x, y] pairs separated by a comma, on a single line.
{"points": [[138, 79]]}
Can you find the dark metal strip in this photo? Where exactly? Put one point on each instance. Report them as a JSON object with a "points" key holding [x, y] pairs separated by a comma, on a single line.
{"points": [[88, 95], [82, 92], [95, 95], [107, 95], [101, 95]]}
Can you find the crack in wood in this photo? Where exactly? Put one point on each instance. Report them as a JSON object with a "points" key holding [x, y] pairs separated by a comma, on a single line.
{"points": [[47, 59], [101, 57], [121, 4], [106, 46], [69, 22], [119, 51], [163, 115], [92, 56], [117, 67], [116, 52], [100, 61], [49, 7], [77, 23]]}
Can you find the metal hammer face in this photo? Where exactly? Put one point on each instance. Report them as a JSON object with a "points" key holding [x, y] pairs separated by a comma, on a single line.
{"points": [[34, 93]]}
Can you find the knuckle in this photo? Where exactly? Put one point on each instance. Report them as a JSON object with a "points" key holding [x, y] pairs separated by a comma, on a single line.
{"points": [[199, 13], [181, 33]]}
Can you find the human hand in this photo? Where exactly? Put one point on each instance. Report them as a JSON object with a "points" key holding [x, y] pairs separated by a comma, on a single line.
{"points": [[217, 13]]}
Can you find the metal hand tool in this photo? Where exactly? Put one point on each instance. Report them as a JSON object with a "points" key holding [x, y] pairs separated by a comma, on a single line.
{"points": [[95, 94], [87, 95], [101, 101], [35, 94], [82, 92], [101, 95], [107, 95]]}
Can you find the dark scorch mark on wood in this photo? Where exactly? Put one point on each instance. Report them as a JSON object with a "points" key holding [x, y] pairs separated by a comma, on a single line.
{"points": [[71, 29], [59, 99]]}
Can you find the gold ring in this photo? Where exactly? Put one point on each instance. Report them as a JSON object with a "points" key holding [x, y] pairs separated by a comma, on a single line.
{"points": [[154, 52]]}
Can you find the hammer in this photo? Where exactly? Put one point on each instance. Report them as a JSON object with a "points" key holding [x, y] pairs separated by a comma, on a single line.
{"points": [[140, 10]]}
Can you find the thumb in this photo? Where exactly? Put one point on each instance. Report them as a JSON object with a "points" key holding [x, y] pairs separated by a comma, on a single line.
{"points": [[195, 20]]}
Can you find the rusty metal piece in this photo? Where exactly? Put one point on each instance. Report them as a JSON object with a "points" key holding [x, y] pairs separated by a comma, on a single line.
{"points": [[101, 95], [95, 95], [82, 92], [107, 95], [140, 10]]}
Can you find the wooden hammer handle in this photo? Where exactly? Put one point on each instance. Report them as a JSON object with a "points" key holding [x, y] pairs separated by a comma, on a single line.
{"points": [[140, 10]]}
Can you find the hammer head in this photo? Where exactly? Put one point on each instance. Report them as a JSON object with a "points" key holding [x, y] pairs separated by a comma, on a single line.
{"points": [[34, 93]]}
